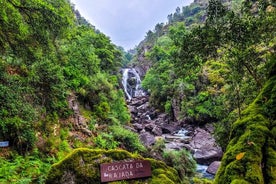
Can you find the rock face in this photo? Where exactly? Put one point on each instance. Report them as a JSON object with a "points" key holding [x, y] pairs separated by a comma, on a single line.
{"points": [[82, 167], [79, 122]]}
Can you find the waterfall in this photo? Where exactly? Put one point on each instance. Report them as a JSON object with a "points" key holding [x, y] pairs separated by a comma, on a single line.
{"points": [[124, 81], [132, 83]]}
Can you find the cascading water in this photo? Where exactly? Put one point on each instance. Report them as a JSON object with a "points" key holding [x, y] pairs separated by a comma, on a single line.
{"points": [[132, 83], [125, 83]]}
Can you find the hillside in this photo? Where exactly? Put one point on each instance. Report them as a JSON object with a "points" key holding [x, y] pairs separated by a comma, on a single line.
{"points": [[210, 71], [59, 88], [62, 109]]}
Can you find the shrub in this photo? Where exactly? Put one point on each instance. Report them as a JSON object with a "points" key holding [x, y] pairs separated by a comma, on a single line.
{"points": [[129, 140], [182, 161], [105, 141]]}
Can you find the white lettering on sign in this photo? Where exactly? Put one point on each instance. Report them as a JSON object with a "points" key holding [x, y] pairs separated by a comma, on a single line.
{"points": [[4, 144], [125, 170]]}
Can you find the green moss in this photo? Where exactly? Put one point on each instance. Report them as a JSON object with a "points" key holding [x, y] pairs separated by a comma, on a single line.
{"points": [[253, 134], [239, 181], [82, 166], [201, 181]]}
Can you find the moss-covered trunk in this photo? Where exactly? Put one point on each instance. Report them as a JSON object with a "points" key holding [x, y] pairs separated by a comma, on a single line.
{"points": [[250, 157]]}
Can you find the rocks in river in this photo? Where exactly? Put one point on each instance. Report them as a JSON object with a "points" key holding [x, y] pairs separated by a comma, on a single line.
{"points": [[204, 147], [147, 139], [169, 128], [213, 167], [150, 123]]}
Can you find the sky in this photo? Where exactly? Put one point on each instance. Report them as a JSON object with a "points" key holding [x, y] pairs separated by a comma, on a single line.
{"points": [[126, 22]]}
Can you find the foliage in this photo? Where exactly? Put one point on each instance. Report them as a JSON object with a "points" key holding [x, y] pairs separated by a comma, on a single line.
{"points": [[49, 51], [213, 71], [182, 161], [28, 169], [251, 143], [127, 139]]}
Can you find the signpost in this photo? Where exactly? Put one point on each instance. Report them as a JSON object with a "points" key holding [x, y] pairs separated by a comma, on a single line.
{"points": [[125, 170], [4, 144]]}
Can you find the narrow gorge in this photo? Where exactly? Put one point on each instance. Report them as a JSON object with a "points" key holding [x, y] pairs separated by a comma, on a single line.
{"points": [[153, 125]]}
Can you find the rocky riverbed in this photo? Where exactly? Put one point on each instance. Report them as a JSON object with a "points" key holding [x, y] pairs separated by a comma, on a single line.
{"points": [[152, 125]]}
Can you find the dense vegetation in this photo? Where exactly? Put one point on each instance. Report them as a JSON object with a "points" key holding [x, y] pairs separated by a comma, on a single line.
{"points": [[207, 65], [49, 56], [210, 72]]}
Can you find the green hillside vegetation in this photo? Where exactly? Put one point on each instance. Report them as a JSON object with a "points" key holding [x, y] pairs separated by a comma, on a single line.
{"points": [[48, 54], [60, 92], [211, 72]]}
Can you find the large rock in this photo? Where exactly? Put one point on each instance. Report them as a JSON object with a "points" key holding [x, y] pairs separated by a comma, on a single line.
{"points": [[147, 139], [169, 128], [157, 131], [213, 167], [204, 147], [82, 167]]}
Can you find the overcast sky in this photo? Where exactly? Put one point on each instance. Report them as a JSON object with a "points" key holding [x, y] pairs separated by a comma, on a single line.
{"points": [[127, 21]]}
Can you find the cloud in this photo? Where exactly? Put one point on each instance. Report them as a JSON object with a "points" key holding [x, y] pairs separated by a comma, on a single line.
{"points": [[127, 21]]}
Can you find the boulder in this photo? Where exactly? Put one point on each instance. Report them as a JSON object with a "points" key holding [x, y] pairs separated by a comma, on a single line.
{"points": [[82, 166], [147, 139], [138, 127], [133, 110], [205, 148], [157, 131], [207, 155], [169, 128], [213, 167]]}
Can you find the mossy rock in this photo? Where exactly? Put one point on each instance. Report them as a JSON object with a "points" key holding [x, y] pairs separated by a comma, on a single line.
{"points": [[83, 166], [250, 156]]}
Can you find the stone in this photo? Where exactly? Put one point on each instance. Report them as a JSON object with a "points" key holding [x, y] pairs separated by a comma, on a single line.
{"points": [[205, 148], [149, 127], [147, 139], [207, 155], [174, 146], [138, 127], [169, 128], [213, 167], [157, 131], [133, 110]]}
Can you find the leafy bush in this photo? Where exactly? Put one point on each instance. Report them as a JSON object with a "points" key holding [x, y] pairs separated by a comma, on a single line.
{"points": [[182, 161], [129, 140], [18, 132], [24, 170], [105, 141]]}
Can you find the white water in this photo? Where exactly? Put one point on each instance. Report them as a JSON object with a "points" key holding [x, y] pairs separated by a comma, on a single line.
{"points": [[202, 170], [129, 91], [124, 81], [182, 133]]}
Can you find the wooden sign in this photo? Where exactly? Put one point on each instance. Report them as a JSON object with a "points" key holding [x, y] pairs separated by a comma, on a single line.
{"points": [[4, 144], [125, 170]]}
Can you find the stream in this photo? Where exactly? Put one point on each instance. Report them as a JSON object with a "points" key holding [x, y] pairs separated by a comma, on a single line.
{"points": [[145, 119]]}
